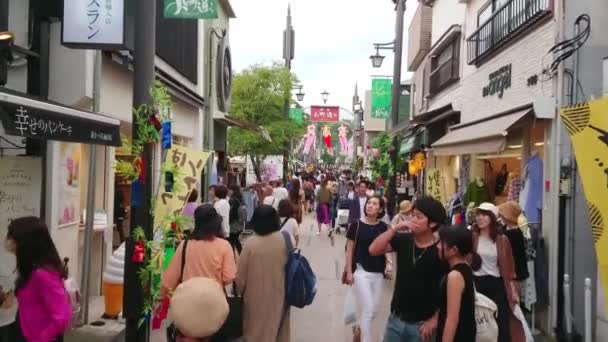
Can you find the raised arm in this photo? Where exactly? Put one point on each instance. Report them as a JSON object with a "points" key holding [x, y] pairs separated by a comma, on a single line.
{"points": [[382, 244]]}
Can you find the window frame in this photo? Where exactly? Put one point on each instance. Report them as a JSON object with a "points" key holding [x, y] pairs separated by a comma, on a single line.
{"points": [[434, 66]]}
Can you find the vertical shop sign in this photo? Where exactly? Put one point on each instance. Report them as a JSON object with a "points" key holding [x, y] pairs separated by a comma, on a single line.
{"points": [[435, 185], [587, 126], [296, 114], [20, 189], [191, 9], [381, 98], [93, 24], [188, 165], [70, 159]]}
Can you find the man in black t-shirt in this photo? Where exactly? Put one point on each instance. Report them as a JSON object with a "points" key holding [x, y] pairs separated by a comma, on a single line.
{"points": [[419, 272]]}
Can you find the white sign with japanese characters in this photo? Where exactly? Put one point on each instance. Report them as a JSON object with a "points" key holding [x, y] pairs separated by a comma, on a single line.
{"points": [[20, 189], [93, 22]]}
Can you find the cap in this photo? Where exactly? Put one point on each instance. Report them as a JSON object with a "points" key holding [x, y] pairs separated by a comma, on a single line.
{"points": [[489, 207]]}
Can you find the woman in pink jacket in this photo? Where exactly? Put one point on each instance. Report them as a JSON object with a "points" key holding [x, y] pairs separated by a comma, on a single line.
{"points": [[44, 306]]}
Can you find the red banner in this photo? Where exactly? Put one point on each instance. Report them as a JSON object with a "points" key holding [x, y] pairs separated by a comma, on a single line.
{"points": [[324, 113]]}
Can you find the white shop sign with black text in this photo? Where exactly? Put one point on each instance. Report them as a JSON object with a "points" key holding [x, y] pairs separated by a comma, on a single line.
{"points": [[93, 24]]}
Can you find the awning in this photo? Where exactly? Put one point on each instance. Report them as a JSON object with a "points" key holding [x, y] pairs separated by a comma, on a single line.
{"points": [[27, 116], [487, 136], [412, 141]]}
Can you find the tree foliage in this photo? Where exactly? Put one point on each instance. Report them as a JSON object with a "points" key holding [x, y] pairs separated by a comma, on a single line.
{"points": [[259, 94]]}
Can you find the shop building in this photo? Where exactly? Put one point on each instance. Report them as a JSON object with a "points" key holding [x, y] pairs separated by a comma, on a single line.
{"points": [[484, 109], [434, 55], [64, 80]]}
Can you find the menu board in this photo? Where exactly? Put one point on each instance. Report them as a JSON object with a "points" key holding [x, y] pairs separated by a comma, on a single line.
{"points": [[20, 189]]}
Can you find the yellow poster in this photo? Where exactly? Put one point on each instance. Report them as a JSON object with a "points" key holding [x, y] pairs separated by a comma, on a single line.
{"points": [[587, 124], [186, 165], [435, 186]]}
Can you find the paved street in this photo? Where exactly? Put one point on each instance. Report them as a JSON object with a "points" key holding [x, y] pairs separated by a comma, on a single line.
{"points": [[323, 320]]}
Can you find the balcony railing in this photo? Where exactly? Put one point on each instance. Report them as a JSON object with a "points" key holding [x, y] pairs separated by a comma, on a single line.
{"points": [[444, 76], [507, 22]]}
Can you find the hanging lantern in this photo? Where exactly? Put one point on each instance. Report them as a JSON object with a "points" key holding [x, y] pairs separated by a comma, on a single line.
{"points": [[155, 121], [138, 252], [412, 170]]}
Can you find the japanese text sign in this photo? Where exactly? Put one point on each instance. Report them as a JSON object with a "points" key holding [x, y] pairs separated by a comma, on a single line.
{"points": [[191, 9], [587, 126], [190, 164], [381, 98], [324, 113], [94, 23], [435, 186], [47, 121], [20, 189]]}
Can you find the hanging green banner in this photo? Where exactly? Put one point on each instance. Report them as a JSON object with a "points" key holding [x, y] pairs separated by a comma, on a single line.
{"points": [[191, 9], [296, 114], [381, 98]]}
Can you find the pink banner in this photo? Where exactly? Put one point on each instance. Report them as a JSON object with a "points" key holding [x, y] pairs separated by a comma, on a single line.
{"points": [[324, 113]]}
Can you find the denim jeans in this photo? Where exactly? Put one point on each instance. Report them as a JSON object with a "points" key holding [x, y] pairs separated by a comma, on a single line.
{"points": [[400, 331]]}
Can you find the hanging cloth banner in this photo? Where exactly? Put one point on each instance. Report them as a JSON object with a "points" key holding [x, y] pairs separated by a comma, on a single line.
{"points": [[587, 125], [381, 98], [191, 9], [310, 139], [344, 145], [186, 165], [327, 140]]}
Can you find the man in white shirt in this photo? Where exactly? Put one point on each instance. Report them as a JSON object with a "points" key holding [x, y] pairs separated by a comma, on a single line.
{"points": [[270, 199], [279, 192], [357, 208], [222, 206]]}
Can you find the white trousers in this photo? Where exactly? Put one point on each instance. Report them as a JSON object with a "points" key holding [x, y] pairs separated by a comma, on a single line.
{"points": [[368, 288]]}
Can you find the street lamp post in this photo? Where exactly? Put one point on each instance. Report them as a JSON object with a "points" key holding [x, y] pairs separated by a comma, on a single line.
{"points": [[397, 47], [299, 94], [288, 54], [325, 96]]}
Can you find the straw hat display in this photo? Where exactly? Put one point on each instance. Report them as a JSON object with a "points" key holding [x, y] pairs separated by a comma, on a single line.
{"points": [[198, 307]]}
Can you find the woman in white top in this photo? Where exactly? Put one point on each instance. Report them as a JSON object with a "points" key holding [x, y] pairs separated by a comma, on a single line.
{"points": [[494, 270], [270, 199], [222, 206], [288, 220], [351, 191]]}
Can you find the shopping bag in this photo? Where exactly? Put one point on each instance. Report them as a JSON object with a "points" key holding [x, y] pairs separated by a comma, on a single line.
{"points": [[351, 308], [519, 314], [485, 316]]}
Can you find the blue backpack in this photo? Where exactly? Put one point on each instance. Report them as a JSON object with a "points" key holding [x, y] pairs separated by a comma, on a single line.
{"points": [[300, 280]]}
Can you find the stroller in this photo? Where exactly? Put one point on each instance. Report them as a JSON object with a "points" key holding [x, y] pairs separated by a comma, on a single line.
{"points": [[342, 217]]}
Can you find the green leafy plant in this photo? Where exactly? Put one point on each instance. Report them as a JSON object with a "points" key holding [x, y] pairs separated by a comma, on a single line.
{"points": [[154, 249], [259, 94]]}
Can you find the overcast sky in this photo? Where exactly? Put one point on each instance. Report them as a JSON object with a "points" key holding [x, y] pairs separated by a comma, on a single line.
{"points": [[334, 39]]}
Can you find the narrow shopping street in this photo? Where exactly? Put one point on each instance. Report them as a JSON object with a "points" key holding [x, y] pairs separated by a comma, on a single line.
{"points": [[323, 320]]}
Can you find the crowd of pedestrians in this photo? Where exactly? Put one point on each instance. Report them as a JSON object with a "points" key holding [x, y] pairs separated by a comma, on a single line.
{"points": [[442, 270]]}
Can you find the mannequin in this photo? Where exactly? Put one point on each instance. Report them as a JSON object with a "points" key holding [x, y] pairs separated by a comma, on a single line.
{"points": [[480, 182]]}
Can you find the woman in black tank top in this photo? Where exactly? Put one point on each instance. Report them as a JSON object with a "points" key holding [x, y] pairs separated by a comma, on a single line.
{"points": [[457, 291]]}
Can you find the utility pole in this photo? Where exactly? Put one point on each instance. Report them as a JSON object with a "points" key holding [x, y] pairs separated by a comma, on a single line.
{"points": [[396, 96], [288, 53], [144, 53]]}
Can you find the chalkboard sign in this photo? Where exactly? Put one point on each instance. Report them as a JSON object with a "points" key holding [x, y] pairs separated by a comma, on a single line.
{"points": [[20, 189]]}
